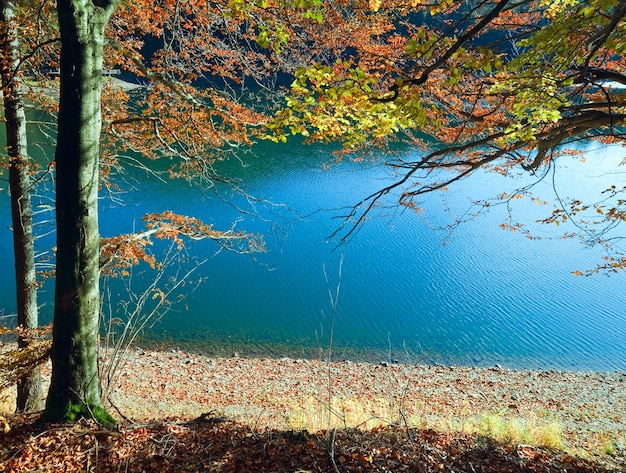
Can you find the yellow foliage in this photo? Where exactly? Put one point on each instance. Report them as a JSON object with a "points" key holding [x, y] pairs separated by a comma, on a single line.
{"points": [[375, 4], [556, 7]]}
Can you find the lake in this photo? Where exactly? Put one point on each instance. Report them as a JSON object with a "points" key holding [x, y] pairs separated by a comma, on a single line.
{"points": [[409, 291]]}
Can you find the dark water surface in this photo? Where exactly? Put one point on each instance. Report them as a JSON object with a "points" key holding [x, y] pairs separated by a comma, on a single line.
{"points": [[476, 295]]}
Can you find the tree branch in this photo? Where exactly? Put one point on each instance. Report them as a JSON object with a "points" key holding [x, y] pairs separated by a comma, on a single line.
{"points": [[172, 84], [618, 14], [469, 34]]}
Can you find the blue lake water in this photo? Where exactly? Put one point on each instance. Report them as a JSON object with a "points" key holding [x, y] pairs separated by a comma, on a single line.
{"points": [[408, 290]]}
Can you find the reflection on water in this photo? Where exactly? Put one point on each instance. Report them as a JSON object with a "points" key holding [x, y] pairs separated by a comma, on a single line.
{"points": [[486, 296]]}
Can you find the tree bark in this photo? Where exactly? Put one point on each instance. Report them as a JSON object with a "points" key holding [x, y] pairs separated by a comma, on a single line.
{"points": [[29, 388], [75, 389]]}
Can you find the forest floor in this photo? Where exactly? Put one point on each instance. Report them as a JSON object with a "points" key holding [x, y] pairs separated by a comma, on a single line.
{"points": [[185, 412]]}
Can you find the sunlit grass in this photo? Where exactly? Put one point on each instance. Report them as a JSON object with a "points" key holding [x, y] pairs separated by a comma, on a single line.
{"points": [[314, 414], [613, 445], [507, 429]]}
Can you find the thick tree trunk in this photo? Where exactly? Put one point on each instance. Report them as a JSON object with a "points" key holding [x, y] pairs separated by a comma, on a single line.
{"points": [[75, 389], [29, 388]]}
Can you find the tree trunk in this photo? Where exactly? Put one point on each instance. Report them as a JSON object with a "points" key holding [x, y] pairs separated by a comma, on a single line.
{"points": [[29, 388], [75, 388]]}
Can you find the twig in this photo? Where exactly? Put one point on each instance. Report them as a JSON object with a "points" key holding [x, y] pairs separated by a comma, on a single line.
{"points": [[334, 298], [331, 449], [127, 419]]}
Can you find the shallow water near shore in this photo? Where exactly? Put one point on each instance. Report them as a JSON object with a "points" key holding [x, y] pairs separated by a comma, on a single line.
{"points": [[408, 291]]}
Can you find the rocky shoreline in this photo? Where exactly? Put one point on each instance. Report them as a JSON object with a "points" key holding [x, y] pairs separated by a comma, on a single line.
{"points": [[586, 411], [583, 413]]}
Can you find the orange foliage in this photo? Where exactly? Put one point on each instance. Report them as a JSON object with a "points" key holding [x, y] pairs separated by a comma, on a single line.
{"points": [[499, 86], [16, 362], [120, 252]]}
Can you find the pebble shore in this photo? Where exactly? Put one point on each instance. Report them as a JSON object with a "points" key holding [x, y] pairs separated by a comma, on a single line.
{"points": [[589, 408]]}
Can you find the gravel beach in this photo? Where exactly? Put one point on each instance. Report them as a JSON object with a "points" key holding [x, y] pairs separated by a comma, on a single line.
{"points": [[587, 410]]}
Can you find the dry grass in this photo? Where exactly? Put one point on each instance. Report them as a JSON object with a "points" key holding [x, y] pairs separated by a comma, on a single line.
{"points": [[314, 414], [531, 430]]}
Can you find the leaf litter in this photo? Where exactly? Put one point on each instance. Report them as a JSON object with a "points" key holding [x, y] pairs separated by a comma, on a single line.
{"points": [[186, 412]]}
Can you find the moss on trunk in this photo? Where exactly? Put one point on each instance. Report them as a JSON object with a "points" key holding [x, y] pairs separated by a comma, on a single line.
{"points": [[74, 387]]}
